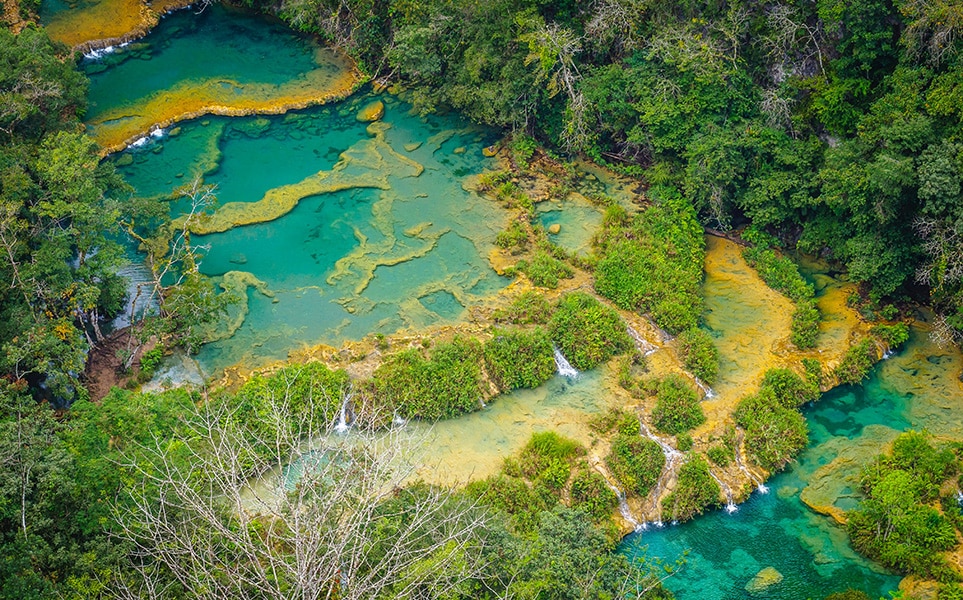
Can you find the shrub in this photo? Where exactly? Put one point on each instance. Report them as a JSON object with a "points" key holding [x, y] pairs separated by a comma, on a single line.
{"points": [[789, 389], [774, 433], [721, 455], [520, 359], [677, 408], [781, 274], [530, 307], [446, 385], [805, 325], [544, 269], [895, 527], [684, 442], [514, 237], [699, 354], [511, 496], [653, 262], [522, 148], [695, 490], [857, 362], [149, 361], [891, 335], [588, 332], [636, 461], [591, 493], [545, 452]]}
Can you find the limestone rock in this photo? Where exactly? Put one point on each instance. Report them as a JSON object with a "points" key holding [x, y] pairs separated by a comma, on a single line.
{"points": [[372, 112], [412, 146], [490, 151], [554, 228], [763, 580]]}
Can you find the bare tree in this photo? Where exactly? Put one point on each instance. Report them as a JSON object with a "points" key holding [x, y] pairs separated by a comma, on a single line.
{"points": [[792, 38], [286, 508], [935, 28]]}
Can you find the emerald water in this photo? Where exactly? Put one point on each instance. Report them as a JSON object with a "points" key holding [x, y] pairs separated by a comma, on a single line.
{"points": [[329, 229], [918, 388], [406, 251], [221, 60]]}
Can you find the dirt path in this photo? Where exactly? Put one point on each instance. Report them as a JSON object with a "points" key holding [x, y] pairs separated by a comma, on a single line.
{"points": [[105, 366]]}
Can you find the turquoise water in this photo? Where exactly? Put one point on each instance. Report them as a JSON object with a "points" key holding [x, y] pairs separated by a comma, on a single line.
{"points": [[918, 388], [411, 255], [218, 44]]}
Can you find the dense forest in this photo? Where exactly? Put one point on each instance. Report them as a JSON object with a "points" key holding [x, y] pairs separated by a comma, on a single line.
{"points": [[833, 125], [828, 127]]}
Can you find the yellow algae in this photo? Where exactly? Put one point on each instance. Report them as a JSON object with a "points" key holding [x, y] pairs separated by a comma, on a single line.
{"points": [[366, 164], [335, 78], [235, 284], [372, 112], [102, 23]]}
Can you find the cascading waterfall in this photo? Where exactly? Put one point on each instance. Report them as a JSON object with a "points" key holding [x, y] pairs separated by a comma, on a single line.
{"points": [[706, 390], [671, 457], [730, 505], [342, 425], [758, 481], [564, 368], [643, 345]]}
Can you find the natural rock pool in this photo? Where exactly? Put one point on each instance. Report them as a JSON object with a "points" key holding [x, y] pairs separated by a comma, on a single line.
{"points": [[330, 229]]}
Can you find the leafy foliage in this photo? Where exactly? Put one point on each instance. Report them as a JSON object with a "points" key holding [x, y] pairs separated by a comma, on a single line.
{"points": [[529, 308], [699, 354], [544, 269], [677, 407], [774, 433], [895, 524], [695, 491], [520, 359], [636, 461], [857, 362], [652, 261], [446, 384], [587, 331]]}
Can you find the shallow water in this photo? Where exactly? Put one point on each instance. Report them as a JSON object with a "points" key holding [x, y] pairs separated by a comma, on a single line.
{"points": [[76, 22], [918, 388], [221, 61], [474, 446]]}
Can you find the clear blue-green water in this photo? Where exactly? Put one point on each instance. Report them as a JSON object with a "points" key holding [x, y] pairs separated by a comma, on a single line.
{"points": [[402, 248], [918, 388], [411, 256]]}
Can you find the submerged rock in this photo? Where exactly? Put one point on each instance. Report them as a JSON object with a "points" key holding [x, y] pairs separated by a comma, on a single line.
{"points": [[554, 228], [372, 112], [763, 580], [412, 146]]}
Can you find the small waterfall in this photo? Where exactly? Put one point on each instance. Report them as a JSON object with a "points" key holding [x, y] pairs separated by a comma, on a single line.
{"points": [[140, 295], [626, 511], [564, 368], [671, 457], [888, 354], [398, 421], [641, 343], [706, 390], [758, 481], [730, 505], [342, 425]]}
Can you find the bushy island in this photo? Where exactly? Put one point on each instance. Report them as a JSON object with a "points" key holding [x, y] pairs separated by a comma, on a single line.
{"points": [[827, 127]]}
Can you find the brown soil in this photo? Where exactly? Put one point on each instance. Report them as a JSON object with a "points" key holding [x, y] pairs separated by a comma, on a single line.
{"points": [[104, 368]]}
